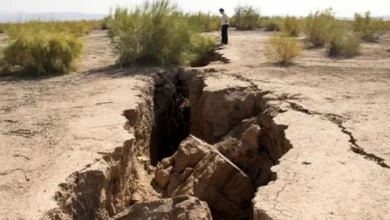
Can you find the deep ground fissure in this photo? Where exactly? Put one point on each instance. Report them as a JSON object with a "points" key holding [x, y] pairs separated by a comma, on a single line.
{"points": [[172, 118], [173, 122], [213, 56], [248, 146]]}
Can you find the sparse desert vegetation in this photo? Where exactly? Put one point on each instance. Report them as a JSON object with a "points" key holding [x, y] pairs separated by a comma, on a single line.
{"points": [[159, 33], [155, 33], [44, 47], [156, 121], [370, 29]]}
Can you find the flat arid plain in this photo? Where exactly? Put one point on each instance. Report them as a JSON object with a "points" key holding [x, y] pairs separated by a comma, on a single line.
{"points": [[257, 140]]}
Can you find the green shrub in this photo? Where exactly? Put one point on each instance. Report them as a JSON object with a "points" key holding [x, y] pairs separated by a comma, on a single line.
{"points": [[204, 22], [291, 26], [272, 25], [201, 52], [282, 49], [120, 22], [246, 18], [42, 52], [318, 27], [155, 33], [370, 29], [105, 23], [344, 43]]}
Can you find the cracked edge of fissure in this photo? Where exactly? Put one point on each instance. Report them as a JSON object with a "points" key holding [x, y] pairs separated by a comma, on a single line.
{"points": [[264, 112], [103, 188], [335, 119]]}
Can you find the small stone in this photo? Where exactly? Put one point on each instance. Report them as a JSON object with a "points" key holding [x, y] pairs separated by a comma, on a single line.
{"points": [[162, 177]]}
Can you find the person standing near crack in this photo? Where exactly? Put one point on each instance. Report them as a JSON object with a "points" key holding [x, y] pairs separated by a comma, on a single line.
{"points": [[224, 26]]}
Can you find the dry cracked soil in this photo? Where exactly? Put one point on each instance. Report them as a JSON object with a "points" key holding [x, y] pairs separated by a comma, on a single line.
{"points": [[241, 139]]}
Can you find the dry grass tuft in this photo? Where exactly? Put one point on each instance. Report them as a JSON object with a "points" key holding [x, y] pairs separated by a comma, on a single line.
{"points": [[282, 49]]}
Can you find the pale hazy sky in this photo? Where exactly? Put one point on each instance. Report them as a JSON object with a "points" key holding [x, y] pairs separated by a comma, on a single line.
{"points": [[342, 8]]}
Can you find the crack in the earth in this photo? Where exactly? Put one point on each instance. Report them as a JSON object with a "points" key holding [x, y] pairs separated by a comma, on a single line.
{"points": [[337, 120], [334, 118]]}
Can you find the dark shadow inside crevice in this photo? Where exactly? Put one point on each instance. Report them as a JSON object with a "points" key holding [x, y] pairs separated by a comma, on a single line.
{"points": [[172, 119]]}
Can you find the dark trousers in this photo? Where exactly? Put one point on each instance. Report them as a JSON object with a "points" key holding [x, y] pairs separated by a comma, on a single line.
{"points": [[224, 33]]}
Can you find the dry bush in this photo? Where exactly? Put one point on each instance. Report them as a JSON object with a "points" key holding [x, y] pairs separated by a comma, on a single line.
{"points": [[291, 26], [155, 33], [318, 27], [42, 52], [344, 43], [370, 29], [246, 18], [282, 49]]}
